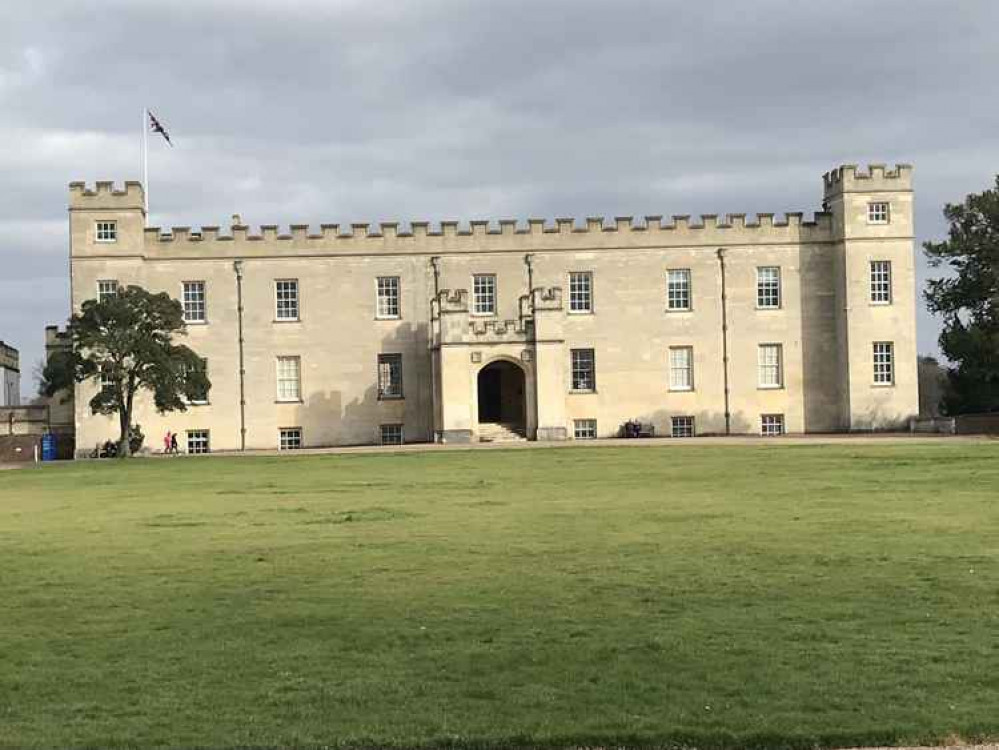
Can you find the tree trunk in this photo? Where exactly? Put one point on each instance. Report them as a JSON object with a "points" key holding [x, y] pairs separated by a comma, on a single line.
{"points": [[124, 444]]}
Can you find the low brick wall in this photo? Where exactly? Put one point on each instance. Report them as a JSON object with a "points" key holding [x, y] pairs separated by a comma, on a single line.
{"points": [[17, 448]]}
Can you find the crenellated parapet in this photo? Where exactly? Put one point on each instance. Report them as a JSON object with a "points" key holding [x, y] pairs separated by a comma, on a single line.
{"points": [[878, 178], [105, 195], [549, 298], [452, 300], [500, 330]]}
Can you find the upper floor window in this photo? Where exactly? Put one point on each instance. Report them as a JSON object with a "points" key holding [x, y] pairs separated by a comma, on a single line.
{"points": [[388, 297], [878, 213], [194, 301], [581, 292], [106, 288], [681, 368], [678, 289], [768, 287], [484, 294], [286, 294], [884, 363], [584, 371], [289, 379], [106, 231], [881, 281], [389, 376], [771, 366], [107, 378]]}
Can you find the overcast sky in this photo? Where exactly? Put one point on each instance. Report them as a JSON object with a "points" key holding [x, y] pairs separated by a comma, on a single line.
{"points": [[298, 111]]}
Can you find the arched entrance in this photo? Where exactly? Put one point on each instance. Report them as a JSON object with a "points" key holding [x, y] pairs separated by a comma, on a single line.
{"points": [[502, 396]]}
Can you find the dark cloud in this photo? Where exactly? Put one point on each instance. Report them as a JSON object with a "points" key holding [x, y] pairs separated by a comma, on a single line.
{"points": [[351, 111]]}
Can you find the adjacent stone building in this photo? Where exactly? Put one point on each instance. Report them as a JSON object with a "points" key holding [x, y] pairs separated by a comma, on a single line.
{"points": [[564, 330], [10, 376]]}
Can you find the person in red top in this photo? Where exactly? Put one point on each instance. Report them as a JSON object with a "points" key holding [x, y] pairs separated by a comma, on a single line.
{"points": [[166, 442]]}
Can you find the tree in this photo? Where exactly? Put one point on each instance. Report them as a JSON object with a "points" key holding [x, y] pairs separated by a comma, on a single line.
{"points": [[969, 302], [125, 344]]}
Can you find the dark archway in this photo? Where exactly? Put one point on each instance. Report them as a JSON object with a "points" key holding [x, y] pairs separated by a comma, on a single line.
{"points": [[502, 394]]}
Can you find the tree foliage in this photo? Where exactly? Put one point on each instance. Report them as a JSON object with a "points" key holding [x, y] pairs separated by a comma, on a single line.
{"points": [[968, 300], [125, 341]]}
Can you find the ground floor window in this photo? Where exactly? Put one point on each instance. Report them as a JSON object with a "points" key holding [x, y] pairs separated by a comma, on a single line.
{"points": [[772, 424], [584, 429], [197, 441], [682, 427], [391, 434], [290, 438]]}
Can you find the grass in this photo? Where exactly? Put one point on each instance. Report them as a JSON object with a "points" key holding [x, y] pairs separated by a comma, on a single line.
{"points": [[719, 596]]}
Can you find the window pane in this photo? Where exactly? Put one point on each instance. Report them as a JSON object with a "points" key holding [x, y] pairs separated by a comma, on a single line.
{"points": [[770, 366], [290, 438], [581, 292], [583, 370], [194, 301], [768, 287], [287, 299], [877, 213], [106, 231], [678, 289], [484, 294], [884, 363], [197, 441], [391, 434], [288, 379], [389, 376], [682, 427], [388, 297], [881, 281], [681, 368], [772, 424], [584, 429], [106, 288]]}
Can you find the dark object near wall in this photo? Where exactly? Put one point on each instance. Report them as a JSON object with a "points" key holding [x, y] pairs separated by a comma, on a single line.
{"points": [[977, 424], [635, 429]]}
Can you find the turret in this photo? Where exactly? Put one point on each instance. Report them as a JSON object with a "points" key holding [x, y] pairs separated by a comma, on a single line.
{"points": [[105, 220]]}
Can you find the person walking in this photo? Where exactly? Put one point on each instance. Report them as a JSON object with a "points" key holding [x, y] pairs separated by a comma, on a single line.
{"points": [[166, 443], [173, 444]]}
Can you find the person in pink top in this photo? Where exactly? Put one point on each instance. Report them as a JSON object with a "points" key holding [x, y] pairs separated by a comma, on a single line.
{"points": [[166, 443]]}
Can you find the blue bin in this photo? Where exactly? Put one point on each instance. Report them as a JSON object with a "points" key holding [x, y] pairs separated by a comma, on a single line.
{"points": [[48, 447]]}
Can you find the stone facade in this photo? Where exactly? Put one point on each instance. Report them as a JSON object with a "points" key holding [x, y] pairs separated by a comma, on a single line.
{"points": [[792, 346], [10, 376]]}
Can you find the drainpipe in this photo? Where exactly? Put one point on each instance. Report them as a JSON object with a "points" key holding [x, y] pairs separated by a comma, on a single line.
{"points": [[435, 263], [529, 262], [237, 266], [724, 332]]}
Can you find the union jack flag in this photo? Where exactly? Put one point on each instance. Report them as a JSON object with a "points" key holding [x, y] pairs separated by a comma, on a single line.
{"points": [[155, 127]]}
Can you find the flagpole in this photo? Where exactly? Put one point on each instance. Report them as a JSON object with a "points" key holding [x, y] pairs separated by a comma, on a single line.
{"points": [[145, 162]]}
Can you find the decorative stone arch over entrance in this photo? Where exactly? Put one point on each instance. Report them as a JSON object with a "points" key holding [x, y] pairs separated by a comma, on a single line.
{"points": [[502, 398]]}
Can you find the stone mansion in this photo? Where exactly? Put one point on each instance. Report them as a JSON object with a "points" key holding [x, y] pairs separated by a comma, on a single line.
{"points": [[548, 331]]}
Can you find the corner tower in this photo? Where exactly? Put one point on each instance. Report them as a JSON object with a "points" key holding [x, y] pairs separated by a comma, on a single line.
{"points": [[875, 293]]}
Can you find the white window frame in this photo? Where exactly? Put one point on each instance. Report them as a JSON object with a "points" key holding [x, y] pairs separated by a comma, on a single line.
{"points": [[577, 358], [198, 441], [484, 294], [106, 288], [769, 294], [387, 298], [390, 388], [106, 231], [287, 299], [767, 366], [879, 212], [192, 303], [679, 295], [881, 282], [772, 425], [289, 438], [681, 368], [106, 380], [584, 429], [580, 292], [288, 369], [391, 433], [883, 354], [682, 426]]}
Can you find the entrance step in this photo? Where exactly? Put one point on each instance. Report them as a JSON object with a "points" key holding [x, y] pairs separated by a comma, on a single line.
{"points": [[497, 432]]}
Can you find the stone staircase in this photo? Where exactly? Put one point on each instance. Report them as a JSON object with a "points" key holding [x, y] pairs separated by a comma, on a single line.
{"points": [[496, 432]]}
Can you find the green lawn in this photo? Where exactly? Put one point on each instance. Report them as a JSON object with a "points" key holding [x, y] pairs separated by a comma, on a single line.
{"points": [[712, 595]]}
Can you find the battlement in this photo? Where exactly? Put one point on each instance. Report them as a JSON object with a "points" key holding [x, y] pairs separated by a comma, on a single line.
{"points": [[105, 195], [598, 225], [847, 179]]}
